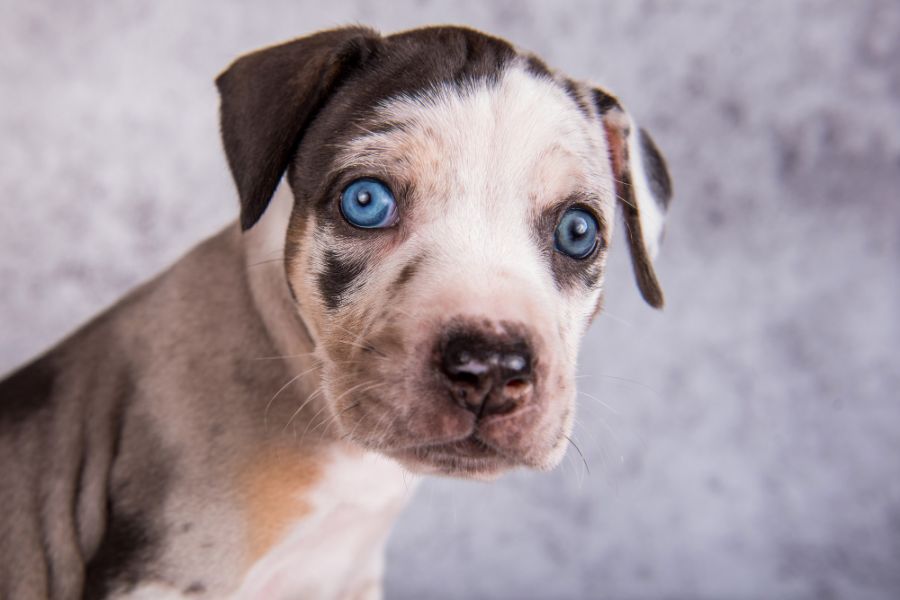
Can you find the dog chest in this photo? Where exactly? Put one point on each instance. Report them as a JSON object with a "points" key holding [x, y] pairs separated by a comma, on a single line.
{"points": [[321, 532]]}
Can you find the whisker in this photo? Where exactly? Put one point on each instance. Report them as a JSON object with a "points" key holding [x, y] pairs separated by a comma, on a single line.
{"points": [[601, 402], [349, 434], [366, 347], [583, 459], [311, 421], [355, 341], [281, 389], [387, 430], [570, 464], [373, 445], [309, 399], [382, 435], [355, 335], [402, 312], [335, 417], [283, 356], [614, 439], [634, 382], [323, 407], [581, 429], [616, 318], [266, 262]]}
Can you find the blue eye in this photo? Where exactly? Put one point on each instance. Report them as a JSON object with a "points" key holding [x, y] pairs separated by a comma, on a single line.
{"points": [[369, 204], [576, 234]]}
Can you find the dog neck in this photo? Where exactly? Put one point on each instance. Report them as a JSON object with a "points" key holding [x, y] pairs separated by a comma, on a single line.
{"points": [[349, 496], [264, 246], [291, 339]]}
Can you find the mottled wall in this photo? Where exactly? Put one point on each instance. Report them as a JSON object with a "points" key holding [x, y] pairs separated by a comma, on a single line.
{"points": [[743, 443]]}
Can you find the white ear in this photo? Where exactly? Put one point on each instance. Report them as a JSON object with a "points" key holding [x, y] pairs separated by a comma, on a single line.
{"points": [[652, 187], [643, 188]]}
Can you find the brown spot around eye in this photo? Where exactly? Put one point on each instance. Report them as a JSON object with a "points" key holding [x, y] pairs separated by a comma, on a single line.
{"points": [[337, 277], [274, 487]]}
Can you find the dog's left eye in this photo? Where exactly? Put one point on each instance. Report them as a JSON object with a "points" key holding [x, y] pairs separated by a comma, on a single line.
{"points": [[577, 233], [368, 203]]}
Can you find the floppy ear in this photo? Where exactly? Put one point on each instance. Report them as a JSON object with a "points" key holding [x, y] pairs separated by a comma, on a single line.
{"points": [[643, 188], [270, 96]]}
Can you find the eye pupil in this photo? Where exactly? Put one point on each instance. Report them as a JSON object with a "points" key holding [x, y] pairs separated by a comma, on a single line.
{"points": [[579, 227]]}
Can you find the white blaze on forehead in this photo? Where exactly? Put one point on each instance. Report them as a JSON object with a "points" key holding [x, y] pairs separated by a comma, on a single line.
{"points": [[486, 157], [519, 133]]}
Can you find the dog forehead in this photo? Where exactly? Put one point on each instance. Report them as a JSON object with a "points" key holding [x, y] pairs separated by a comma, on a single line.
{"points": [[496, 136]]}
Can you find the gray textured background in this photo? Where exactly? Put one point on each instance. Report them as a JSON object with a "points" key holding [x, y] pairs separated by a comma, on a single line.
{"points": [[745, 443]]}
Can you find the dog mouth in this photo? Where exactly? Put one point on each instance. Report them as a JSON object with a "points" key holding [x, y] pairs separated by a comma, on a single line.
{"points": [[442, 437], [475, 406]]}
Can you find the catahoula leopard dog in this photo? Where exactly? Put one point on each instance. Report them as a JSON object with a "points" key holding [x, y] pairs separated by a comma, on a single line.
{"points": [[424, 223]]}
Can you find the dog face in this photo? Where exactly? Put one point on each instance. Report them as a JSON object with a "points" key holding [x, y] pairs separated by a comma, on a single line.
{"points": [[454, 203]]}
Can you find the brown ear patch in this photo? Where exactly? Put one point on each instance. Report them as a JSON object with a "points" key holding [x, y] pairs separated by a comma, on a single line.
{"points": [[269, 97], [603, 101], [274, 487], [617, 128], [27, 391]]}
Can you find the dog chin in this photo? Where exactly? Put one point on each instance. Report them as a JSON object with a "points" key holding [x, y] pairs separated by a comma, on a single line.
{"points": [[468, 459]]}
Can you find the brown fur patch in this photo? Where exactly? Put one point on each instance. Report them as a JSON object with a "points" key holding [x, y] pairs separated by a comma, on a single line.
{"points": [[274, 486]]}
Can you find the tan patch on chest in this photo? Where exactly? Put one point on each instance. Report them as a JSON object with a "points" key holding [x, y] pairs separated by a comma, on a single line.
{"points": [[275, 487]]}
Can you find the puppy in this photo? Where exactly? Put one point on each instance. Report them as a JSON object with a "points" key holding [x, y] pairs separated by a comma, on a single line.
{"points": [[424, 224]]}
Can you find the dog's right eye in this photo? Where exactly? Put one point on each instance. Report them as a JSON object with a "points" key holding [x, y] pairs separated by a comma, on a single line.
{"points": [[368, 203]]}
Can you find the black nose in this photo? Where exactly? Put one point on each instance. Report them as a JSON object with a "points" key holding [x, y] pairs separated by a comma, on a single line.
{"points": [[487, 374]]}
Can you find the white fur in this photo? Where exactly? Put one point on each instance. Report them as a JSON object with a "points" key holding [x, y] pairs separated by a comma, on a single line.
{"points": [[264, 245], [152, 591], [485, 161], [337, 552], [651, 215]]}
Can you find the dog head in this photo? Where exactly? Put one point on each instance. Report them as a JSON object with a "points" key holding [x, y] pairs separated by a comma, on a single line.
{"points": [[454, 201]]}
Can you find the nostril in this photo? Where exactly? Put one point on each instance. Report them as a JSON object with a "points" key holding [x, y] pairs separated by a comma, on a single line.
{"points": [[465, 377], [516, 384], [516, 388]]}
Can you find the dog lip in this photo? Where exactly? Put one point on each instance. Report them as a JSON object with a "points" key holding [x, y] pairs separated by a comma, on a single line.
{"points": [[471, 442], [470, 450], [466, 457], [468, 447]]}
